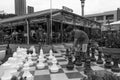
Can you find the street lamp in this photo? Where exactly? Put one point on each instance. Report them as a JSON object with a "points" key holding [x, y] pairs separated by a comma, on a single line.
{"points": [[82, 6]]}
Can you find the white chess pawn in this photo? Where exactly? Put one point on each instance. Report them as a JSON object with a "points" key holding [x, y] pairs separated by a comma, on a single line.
{"points": [[54, 68], [40, 65], [51, 55], [28, 75]]}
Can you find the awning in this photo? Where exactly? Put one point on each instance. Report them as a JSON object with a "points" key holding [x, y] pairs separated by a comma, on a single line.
{"points": [[115, 23]]}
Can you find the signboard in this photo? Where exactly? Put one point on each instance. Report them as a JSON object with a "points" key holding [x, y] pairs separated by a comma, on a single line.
{"points": [[67, 9]]}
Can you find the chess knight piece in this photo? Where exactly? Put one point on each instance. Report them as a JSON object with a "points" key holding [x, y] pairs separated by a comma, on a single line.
{"points": [[99, 61], [107, 61], [115, 67], [93, 55], [70, 64]]}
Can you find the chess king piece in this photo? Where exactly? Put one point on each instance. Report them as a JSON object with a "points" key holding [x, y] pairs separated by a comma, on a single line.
{"points": [[70, 64], [78, 61], [99, 61], [93, 54], [54, 67], [107, 61], [87, 65], [115, 67]]}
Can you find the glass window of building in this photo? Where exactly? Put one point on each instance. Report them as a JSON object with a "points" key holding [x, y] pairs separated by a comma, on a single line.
{"points": [[99, 18], [110, 17]]}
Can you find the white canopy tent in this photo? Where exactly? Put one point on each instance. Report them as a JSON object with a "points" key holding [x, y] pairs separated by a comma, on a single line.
{"points": [[115, 23]]}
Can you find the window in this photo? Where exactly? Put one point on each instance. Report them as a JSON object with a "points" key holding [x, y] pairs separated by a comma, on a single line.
{"points": [[99, 18], [109, 17]]}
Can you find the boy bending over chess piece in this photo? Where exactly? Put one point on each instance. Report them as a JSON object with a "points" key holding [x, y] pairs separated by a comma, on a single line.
{"points": [[81, 39]]}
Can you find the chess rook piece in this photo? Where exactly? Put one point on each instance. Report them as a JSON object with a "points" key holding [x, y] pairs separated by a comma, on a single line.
{"points": [[100, 61], [78, 61], [115, 67], [70, 64], [93, 55], [87, 66], [107, 61]]}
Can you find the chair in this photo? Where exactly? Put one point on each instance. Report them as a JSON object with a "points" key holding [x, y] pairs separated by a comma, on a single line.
{"points": [[2, 55]]}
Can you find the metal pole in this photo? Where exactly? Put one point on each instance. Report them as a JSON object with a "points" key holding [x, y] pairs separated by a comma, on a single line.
{"points": [[27, 32], [82, 10], [51, 17]]}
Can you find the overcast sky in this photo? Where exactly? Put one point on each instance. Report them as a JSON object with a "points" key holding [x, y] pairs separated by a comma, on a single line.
{"points": [[91, 6]]}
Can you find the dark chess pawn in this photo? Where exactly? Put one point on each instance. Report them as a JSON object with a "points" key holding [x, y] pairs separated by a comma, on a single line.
{"points": [[70, 64], [87, 67], [107, 61], [99, 61], [93, 54], [78, 61], [115, 67]]}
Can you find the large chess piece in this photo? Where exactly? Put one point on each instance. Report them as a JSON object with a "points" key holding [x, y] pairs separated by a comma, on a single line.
{"points": [[93, 54], [70, 64], [115, 67], [8, 50], [51, 55], [41, 56], [67, 52], [83, 56], [54, 67], [78, 61], [107, 61], [99, 61], [27, 75], [87, 67], [40, 65], [40, 46], [88, 52]]}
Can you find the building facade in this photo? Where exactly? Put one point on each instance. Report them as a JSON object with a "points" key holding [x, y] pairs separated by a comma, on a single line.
{"points": [[20, 7], [30, 9], [104, 17]]}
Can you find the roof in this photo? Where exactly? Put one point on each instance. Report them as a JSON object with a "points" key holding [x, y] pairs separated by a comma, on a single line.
{"points": [[35, 14], [42, 13], [103, 13]]}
